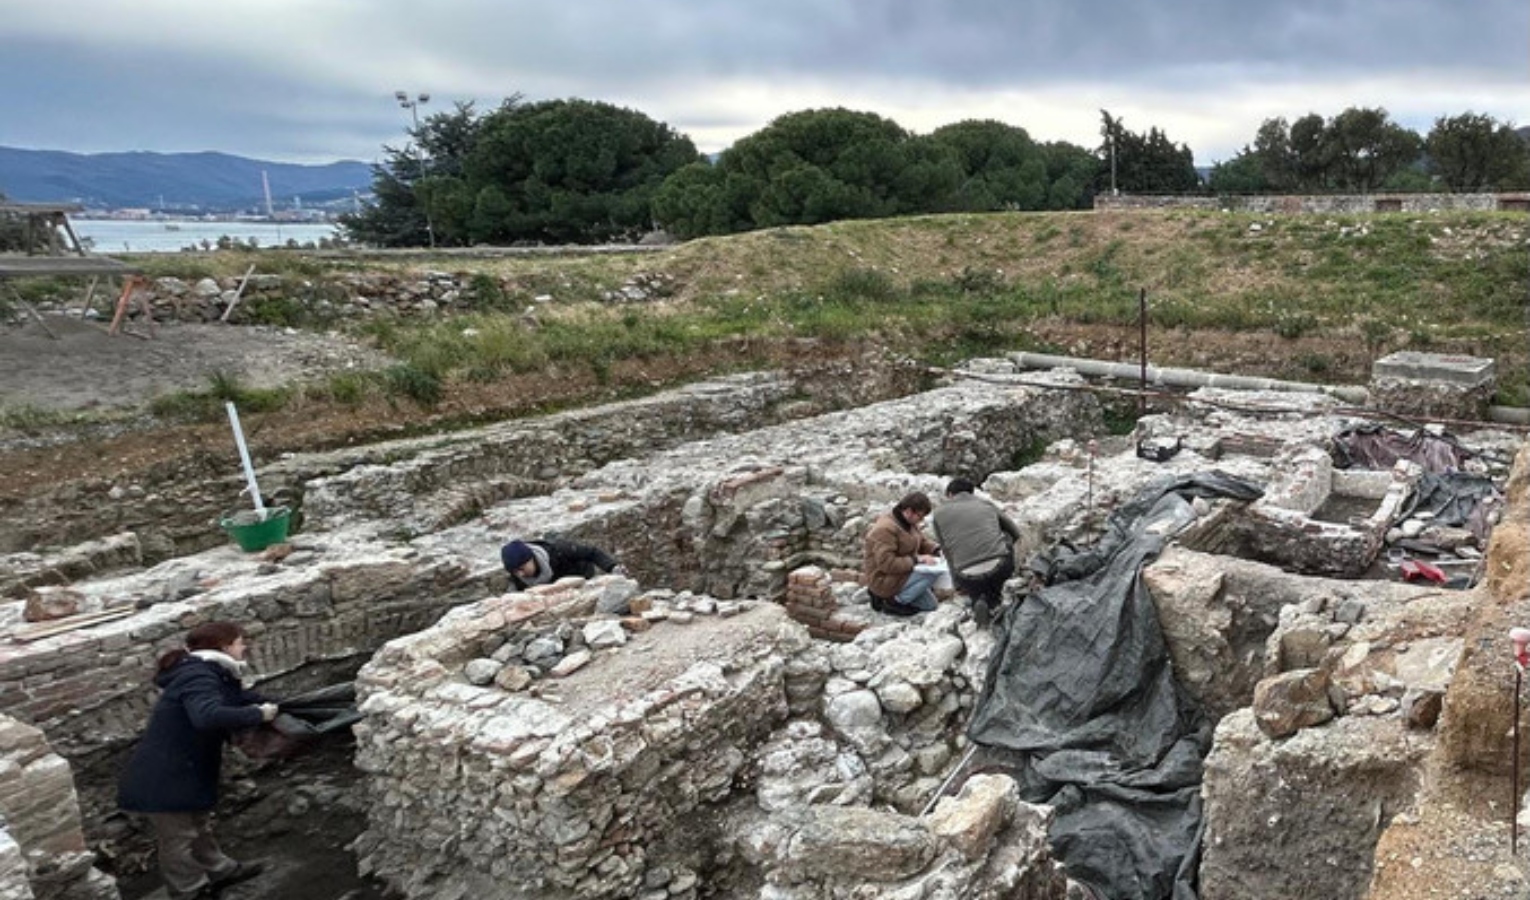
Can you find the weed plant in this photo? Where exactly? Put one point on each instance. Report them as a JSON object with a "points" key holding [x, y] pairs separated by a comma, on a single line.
{"points": [[207, 404]]}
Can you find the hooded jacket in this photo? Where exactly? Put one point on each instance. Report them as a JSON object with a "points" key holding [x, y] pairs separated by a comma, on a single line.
{"points": [[176, 764]]}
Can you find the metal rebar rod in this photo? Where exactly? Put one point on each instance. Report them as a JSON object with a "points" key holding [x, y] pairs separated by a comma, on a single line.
{"points": [[945, 785], [1142, 375], [1514, 769]]}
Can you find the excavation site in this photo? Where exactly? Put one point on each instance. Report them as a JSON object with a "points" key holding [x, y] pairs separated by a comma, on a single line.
{"points": [[1255, 647]]}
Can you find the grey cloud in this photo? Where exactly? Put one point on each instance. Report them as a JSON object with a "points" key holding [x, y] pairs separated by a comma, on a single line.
{"points": [[987, 42], [314, 81]]}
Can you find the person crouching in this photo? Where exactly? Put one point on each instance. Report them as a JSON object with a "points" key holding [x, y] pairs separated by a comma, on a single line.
{"points": [[545, 561], [979, 543], [893, 547]]}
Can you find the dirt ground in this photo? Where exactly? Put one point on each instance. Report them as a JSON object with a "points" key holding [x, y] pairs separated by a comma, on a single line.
{"points": [[298, 816], [64, 363]]}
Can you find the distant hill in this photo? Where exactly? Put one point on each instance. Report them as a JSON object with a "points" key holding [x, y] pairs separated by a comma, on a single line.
{"points": [[174, 181]]}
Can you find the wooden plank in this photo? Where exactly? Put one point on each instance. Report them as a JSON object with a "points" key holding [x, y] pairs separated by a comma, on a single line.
{"points": [[60, 266], [70, 623], [237, 294], [90, 296], [74, 239], [130, 286], [40, 320], [40, 208]]}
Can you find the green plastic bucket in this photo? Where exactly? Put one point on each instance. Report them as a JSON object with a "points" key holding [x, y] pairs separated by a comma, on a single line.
{"points": [[253, 535]]}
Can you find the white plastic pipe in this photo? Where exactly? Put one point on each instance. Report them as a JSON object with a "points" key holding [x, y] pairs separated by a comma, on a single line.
{"points": [[244, 459]]}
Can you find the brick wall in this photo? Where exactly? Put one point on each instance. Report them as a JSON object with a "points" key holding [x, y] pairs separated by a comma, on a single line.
{"points": [[810, 600]]}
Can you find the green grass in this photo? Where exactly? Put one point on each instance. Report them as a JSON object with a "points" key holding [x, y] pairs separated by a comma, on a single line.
{"points": [[208, 404], [1296, 277], [27, 417]]}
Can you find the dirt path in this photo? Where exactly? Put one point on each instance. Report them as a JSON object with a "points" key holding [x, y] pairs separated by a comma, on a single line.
{"points": [[81, 366]]}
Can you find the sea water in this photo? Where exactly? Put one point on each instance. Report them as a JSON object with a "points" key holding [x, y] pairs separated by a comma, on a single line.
{"points": [[158, 236]]}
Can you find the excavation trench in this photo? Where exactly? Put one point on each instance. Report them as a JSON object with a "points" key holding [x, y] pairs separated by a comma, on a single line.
{"points": [[749, 720]]}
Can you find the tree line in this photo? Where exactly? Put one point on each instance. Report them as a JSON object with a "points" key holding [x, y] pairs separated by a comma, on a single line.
{"points": [[582, 171]]}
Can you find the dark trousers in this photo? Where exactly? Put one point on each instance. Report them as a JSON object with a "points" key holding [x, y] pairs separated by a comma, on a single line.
{"points": [[189, 855], [989, 587]]}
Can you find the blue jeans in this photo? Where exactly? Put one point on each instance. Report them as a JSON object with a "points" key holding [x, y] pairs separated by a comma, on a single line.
{"points": [[916, 591]]}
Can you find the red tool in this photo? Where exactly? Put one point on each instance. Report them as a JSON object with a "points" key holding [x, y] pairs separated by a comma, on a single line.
{"points": [[1413, 570], [1520, 637]]}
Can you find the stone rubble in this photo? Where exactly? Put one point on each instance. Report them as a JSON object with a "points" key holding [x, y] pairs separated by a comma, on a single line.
{"points": [[355, 295], [42, 847], [581, 786]]}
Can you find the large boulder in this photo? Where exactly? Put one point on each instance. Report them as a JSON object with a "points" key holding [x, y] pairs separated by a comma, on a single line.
{"points": [[1298, 818]]}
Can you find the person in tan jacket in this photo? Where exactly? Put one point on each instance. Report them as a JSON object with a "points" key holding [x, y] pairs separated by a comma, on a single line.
{"points": [[893, 548]]}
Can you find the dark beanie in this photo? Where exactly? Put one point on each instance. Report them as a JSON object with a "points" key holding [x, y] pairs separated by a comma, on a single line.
{"points": [[514, 555]]}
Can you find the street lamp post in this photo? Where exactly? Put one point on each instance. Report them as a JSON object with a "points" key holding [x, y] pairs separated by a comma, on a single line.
{"points": [[1113, 191], [413, 105]]}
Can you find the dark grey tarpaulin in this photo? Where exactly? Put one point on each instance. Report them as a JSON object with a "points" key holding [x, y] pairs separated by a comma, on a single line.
{"points": [[1457, 499], [302, 719], [1082, 707]]}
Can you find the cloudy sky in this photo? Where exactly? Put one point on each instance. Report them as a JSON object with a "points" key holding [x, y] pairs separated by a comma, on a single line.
{"points": [[313, 80]]}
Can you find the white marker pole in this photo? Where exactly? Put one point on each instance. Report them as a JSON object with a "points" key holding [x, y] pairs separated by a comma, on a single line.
{"points": [[244, 458]]}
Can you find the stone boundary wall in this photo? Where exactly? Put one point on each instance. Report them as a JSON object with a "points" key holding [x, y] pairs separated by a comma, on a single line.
{"points": [[40, 819], [647, 771], [1281, 526], [354, 295], [333, 595], [21, 571], [343, 593], [179, 516], [423, 485], [731, 516], [1316, 203]]}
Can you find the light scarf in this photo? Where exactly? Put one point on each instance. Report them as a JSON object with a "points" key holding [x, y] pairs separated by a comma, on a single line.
{"points": [[544, 567], [236, 667]]}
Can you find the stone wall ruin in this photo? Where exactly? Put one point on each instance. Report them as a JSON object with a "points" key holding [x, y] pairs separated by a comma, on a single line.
{"points": [[681, 733]]}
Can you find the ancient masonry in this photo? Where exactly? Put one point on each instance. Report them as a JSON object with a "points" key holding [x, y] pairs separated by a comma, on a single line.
{"points": [[732, 718]]}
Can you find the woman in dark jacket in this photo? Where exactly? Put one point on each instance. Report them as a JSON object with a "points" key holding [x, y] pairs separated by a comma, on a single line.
{"points": [[545, 561], [172, 776]]}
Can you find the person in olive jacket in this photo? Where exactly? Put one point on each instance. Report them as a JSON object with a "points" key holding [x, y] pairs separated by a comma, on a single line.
{"points": [[172, 776], [978, 540], [893, 548], [545, 561]]}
